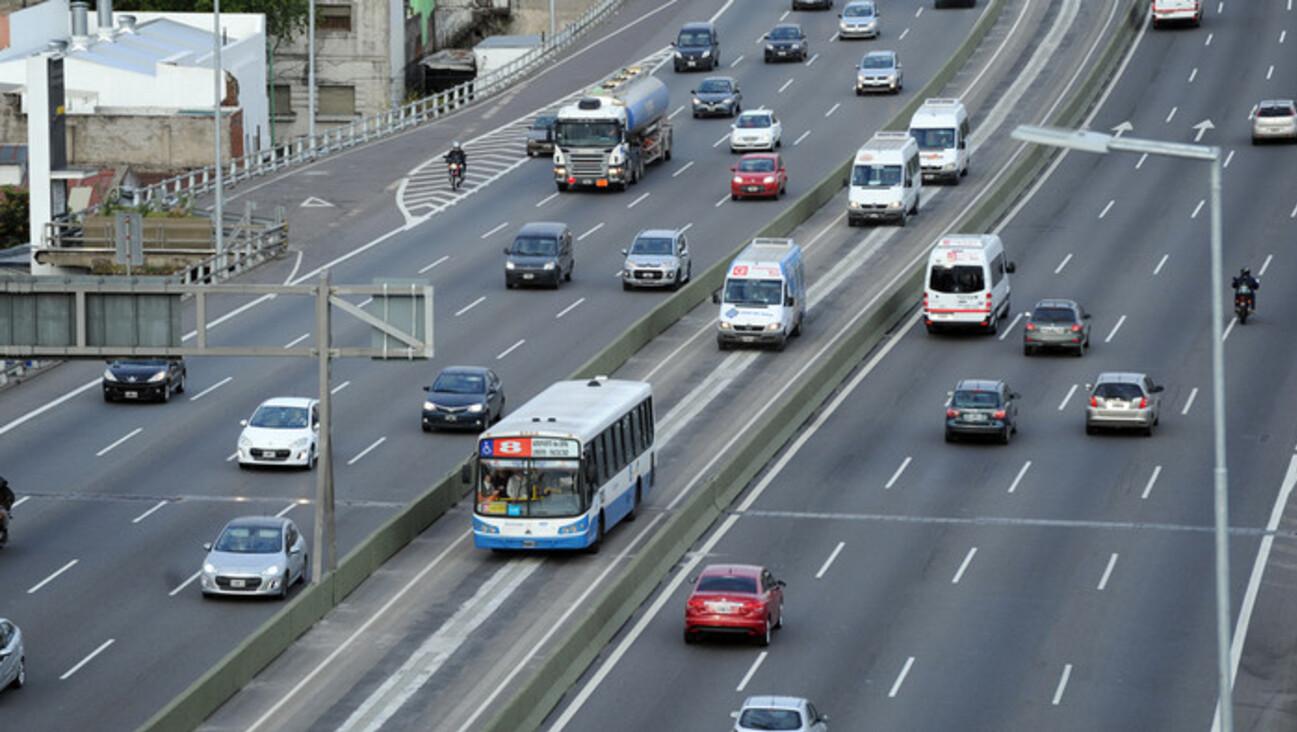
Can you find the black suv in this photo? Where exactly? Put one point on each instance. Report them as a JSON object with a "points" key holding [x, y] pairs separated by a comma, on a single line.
{"points": [[982, 408], [786, 42], [541, 253], [717, 95], [697, 47]]}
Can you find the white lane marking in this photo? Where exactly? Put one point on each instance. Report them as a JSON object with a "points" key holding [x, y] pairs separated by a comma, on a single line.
{"points": [[128, 436], [340, 387], [801, 137], [211, 388], [367, 450], [785, 86], [736, 61], [1269, 72], [682, 169], [1292, 215], [569, 308], [184, 584], [510, 349], [919, 12], [1160, 263], [546, 199], [1070, 392], [496, 229], [298, 263], [761, 38], [1103, 581], [149, 512], [963, 566], [1197, 209], [1171, 114], [1063, 263], [1265, 265], [1062, 684], [721, 202], [1209, 37], [1018, 479], [833, 109], [833, 37], [21, 501], [232, 457], [1283, 35], [364, 302], [434, 264], [686, 227], [904, 33], [297, 340], [1114, 330], [1188, 404], [725, 137], [284, 511], [679, 109], [1232, 322], [896, 476], [761, 657], [51, 578], [829, 562], [1142, 158], [1193, 74], [1228, 158], [905, 670], [781, 19], [812, 59], [433, 653], [1107, 208], [639, 200], [469, 306], [50, 405], [1012, 323], [68, 674], [1148, 487]]}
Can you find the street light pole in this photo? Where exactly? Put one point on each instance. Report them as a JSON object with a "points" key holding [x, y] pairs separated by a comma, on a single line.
{"points": [[553, 21], [218, 76], [1095, 142], [310, 75]]}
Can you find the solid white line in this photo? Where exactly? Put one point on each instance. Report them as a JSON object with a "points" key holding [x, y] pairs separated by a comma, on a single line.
{"points": [[21, 501], [1283, 35], [1269, 72], [1220, 7], [904, 33], [510, 349], [1103, 581], [1228, 158], [761, 657], [690, 225], [1070, 392], [964, 566], [286, 509], [434, 264], [682, 169], [1232, 322], [833, 109], [1012, 323], [1142, 158], [366, 451], [211, 388], [1171, 114], [833, 37], [798, 141], [184, 584], [364, 302], [736, 61], [1148, 487], [811, 60], [1265, 265], [298, 263], [781, 19], [1197, 209], [679, 109], [50, 405], [340, 387], [829, 562], [895, 476], [297, 340], [1115, 328], [50, 578], [469, 306], [723, 139], [1107, 208], [905, 671], [1209, 37], [67, 674], [1292, 215], [569, 308], [637, 201], [495, 229], [919, 12], [232, 456], [1014, 485], [721, 202], [1063, 263], [785, 86], [1160, 262], [148, 513], [547, 199], [1189, 402], [1062, 684], [128, 436]]}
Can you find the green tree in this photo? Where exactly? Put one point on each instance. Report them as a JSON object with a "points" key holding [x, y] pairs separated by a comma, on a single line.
{"points": [[284, 18], [15, 224]]}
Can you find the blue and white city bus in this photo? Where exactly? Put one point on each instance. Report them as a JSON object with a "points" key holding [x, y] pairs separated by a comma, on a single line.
{"points": [[565, 467]]}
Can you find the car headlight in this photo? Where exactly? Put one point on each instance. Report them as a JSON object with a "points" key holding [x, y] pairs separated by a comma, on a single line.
{"points": [[549, 265], [679, 55], [860, 78], [209, 568], [697, 101], [560, 170], [795, 46], [108, 375], [301, 442], [670, 274], [894, 204], [577, 527], [475, 408], [770, 46], [738, 179], [705, 54], [726, 326], [727, 100], [272, 569], [768, 179], [774, 326], [948, 166], [159, 376], [244, 441], [844, 25], [508, 265], [429, 407], [854, 204]]}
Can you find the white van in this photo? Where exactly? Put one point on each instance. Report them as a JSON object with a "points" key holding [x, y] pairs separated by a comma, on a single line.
{"points": [[967, 283], [885, 180], [764, 297], [940, 127]]}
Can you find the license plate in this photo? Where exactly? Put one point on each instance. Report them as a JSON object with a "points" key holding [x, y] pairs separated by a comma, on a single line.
{"points": [[528, 276], [975, 417], [451, 418], [693, 63], [724, 608], [237, 583], [783, 53], [748, 339], [752, 189], [132, 395], [587, 181]]}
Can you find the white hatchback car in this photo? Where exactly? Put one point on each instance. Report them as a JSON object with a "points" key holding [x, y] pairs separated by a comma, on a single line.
{"points": [[779, 712], [756, 129], [283, 431], [1274, 119]]}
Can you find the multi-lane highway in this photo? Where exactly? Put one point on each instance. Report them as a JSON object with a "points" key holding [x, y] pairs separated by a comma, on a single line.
{"points": [[1064, 581]]}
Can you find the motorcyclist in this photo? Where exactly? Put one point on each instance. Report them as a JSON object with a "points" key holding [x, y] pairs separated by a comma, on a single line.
{"points": [[1245, 279], [457, 155], [6, 508]]}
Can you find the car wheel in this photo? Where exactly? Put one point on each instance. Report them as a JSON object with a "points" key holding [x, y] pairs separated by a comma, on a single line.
{"points": [[1006, 435], [1080, 351], [950, 436], [180, 385], [568, 277], [1157, 420], [305, 576], [1091, 429], [1027, 351], [764, 639], [598, 538], [779, 624], [166, 392], [283, 586], [562, 187], [690, 638], [625, 286], [1148, 431], [779, 142], [905, 215], [781, 344], [21, 679], [675, 284], [427, 428], [634, 507], [696, 115], [734, 196]]}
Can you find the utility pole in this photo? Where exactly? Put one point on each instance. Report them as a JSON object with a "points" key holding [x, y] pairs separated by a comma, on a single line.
{"points": [[326, 559], [310, 74], [218, 76], [553, 21]]}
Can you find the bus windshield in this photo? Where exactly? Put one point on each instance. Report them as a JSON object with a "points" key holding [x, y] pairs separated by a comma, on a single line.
{"points": [[529, 488]]}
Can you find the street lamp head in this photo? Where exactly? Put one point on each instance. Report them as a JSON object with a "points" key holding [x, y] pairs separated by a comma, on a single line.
{"points": [[1084, 140]]}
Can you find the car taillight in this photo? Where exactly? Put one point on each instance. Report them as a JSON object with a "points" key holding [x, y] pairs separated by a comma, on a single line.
{"points": [[753, 607], [1094, 401], [1143, 402], [695, 606], [1031, 326], [999, 414], [952, 413]]}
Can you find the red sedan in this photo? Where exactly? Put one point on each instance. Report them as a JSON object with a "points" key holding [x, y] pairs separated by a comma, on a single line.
{"points": [[759, 175], [735, 599]]}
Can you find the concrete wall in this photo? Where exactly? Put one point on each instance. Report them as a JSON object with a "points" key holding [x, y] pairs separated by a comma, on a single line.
{"points": [[532, 16]]}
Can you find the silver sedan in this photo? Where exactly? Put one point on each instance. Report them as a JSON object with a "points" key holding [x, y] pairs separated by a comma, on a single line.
{"points": [[13, 659], [255, 555], [1123, 400]]}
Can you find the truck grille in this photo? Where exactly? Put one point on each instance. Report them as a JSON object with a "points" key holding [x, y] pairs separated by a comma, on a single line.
{"points": [[588, 165]]}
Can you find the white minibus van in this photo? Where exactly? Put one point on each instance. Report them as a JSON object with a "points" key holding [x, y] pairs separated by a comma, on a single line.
{"points": [[940, 127], [967, 283], [885, 180]]}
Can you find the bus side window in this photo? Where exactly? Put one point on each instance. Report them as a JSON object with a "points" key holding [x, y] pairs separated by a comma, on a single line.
{"points": [[591, 476], [652, 424], [617, 447], [636, 432], [606, 466], [599, 472], [628, 439]]}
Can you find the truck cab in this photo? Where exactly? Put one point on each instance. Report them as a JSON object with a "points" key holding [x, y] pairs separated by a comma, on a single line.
{"points": [[606, 138], [763, 300]]}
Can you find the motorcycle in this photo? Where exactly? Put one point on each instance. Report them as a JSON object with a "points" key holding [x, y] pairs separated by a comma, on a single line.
{"points": [[1243, 304], [456, 173], [5, 518]]}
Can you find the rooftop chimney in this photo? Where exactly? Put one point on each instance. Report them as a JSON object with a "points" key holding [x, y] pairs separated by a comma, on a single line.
{"points": [[57, 46], [105, 10], [80, 25], [126, 23]]}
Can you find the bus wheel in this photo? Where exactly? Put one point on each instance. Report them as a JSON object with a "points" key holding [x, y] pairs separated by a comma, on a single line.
{"points": [[598, 538], [634, 507]]}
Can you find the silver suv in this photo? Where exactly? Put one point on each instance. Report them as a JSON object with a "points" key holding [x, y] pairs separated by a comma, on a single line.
{"points": [[1123, 400], [13, 662], [1274, 119], [657, 258]]}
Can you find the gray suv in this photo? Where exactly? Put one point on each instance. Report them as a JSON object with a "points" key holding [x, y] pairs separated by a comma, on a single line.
{"points": [[982, 408], [1056, 323], [657, 258], [718, 95], [13, 661], [541, 253], [1123, 400]]}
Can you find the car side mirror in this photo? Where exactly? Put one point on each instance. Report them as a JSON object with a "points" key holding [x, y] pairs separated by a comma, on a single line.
{"points": [[466, 474], [765, 37], [207, 546], [790, 301], [427, 388], [963, 144], [781, 583], [4, 655], [734, 714], [1014, 395], [673, 44], [506, 250], [1086, 316], [693, 91], [623, 252], [734, 168], [1157, 389], [243, 423], [1089, 387], [716, 297], [1011, 268]]}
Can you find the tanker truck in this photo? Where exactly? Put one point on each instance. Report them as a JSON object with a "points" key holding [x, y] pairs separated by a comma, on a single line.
{"points": [[607, 137]]}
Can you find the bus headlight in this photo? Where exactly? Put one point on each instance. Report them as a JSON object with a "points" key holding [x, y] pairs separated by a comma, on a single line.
{"points": [[774, 326], [483, 527], [578, 527], [895, 204]]}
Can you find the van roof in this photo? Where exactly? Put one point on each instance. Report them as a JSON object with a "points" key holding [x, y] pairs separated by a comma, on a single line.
{"points": [[882, 143], [966, 241]]}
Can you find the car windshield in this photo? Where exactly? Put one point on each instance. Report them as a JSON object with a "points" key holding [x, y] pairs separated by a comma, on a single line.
{"points": [[785, 33], [148, 362], [753, 292], [753, 121], [858, 10], [930, 139], [1119, 390], [714, 86], [1275, 110], [964, 278], [587, 134], [542, 123], [535, 246], [651, 245], [1053, 315], [975, 400], [876, 62], [777, 719], [279, 418], [529, 488], [694, 38], [757, 165], [250, 540], [884, 176], [453, 382], [727, 583]]}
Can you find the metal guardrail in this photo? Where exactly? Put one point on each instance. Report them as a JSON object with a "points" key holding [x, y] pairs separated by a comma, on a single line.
{"points": [[14, 372], [306, 149]]}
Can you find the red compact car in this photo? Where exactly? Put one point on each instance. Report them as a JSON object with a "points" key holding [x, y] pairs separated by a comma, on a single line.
{"points": [[735, 599], [759, 175]]}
